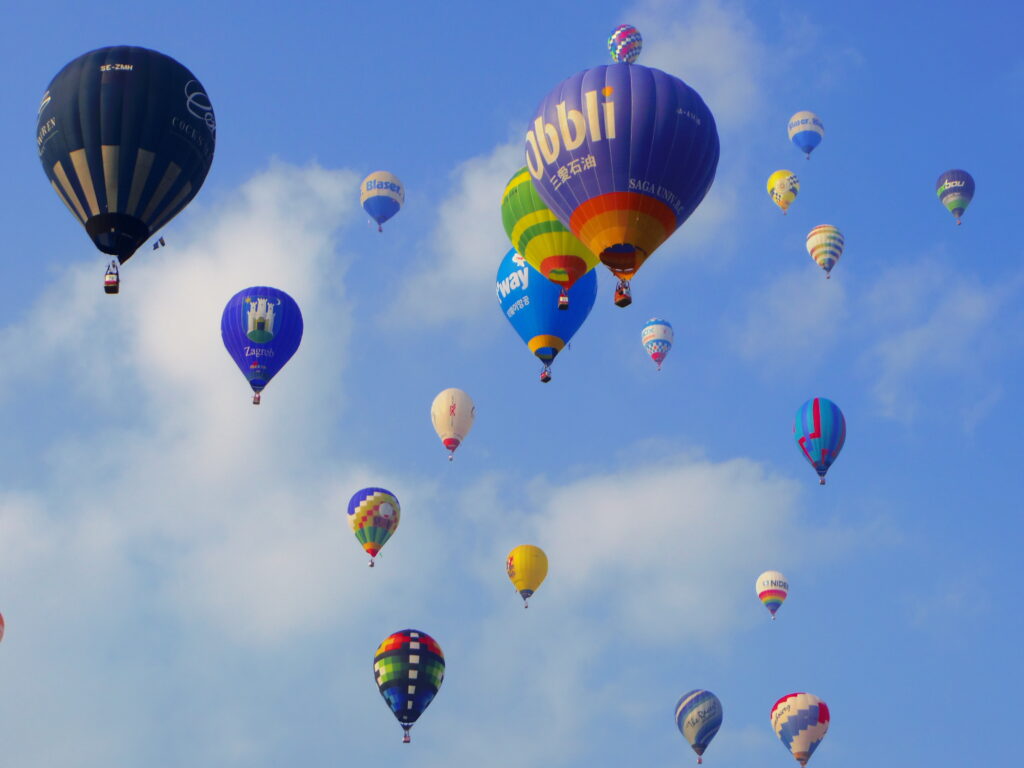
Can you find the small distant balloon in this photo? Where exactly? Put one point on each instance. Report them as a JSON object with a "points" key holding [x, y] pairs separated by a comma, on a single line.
{"points": [[527, 567], [657, 338], [698, 717], [772, 589], [1, 626], [625, 44], [261, 328], [800, 720], [381, 196], [452, 414], [373, 515], [409, 669], [783, 187], [820, 432], [806, 131], [825, 244], [955, 190]]}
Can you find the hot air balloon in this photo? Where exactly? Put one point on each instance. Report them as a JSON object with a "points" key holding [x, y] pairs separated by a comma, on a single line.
{"points": [[1, 627], [783, 187], [772, 589], [955, 190], [381, 195], [820, 431], [625, 44], [800, 721], [622, 154], [698, 717], [530, 303], [825, 244], [541, 238], [126, 137], [526, 566], [261, 328], [373, 515], [409, 668], [657, 338], [806, 131], [452, 413]]}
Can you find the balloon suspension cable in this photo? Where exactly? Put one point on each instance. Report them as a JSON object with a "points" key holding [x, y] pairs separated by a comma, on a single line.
{"points": [[451, 456], [406, 738], [526, 603], [659, 366], [380, 228], [255, 398]]}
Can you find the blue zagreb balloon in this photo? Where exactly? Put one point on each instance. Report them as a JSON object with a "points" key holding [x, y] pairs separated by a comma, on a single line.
{"points": [[381, 196], [698, 717], [261, 328], [530, 302], [806, 131], [820, 432]]}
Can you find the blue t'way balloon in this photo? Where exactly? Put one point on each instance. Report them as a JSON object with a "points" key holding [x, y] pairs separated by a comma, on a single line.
{"points": [[530, 302], [261, 328]]}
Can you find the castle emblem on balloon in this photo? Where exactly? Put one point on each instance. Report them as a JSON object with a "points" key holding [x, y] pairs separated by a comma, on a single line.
{"points": [[262, 319]]}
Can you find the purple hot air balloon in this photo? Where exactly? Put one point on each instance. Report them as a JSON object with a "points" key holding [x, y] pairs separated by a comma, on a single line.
{"points": [[261, 328], [622, 154]]}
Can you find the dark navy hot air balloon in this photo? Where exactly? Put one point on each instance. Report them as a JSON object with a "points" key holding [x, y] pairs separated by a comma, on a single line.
{"points": [[623, 154], [820, 432], [126, 137], [530, 302], [261, 328]]}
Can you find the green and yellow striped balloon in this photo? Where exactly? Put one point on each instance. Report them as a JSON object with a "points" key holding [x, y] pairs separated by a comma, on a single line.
{"points": [[540, 237]]}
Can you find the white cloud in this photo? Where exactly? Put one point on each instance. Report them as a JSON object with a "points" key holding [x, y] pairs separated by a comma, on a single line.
{"points": [[457, 280]]}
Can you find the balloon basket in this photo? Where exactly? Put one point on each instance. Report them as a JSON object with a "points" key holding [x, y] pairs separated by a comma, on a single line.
{"points": [[380, 228], [370, 564], [821, 480], [406, 738], [256, 398]]}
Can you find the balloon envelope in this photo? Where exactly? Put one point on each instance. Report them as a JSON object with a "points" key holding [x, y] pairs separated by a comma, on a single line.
{"points": [[527, 566], [825, 243], [820, 432], [622, 154], [800, 720], [530, 303], [657, 338], [955, 190], [783, 187], [381, 194], [409, 668], [452, 414], [261, 328], [698, 717], [540, 237], [625, 43], [373, 515], [806, 131], [126, 136], [772, 589]]}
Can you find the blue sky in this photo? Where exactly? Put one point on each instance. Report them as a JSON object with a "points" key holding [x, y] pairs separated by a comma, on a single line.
{"points": [[179, 582]]}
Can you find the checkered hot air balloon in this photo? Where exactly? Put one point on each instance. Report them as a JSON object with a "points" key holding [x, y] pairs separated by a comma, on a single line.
{"points": [[820, 433], [800, 721], [783, 187], [657, 338], [409, 669], [625, 44], [373, 515]]}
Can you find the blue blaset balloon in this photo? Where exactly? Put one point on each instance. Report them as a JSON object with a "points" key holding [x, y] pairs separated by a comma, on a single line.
{"points": [[261, 328], [820, 432]]}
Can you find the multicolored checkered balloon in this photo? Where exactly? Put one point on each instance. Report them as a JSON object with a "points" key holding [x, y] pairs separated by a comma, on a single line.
{"points": [[800, 721], [409, 669], [373, 515], [624, 44]]}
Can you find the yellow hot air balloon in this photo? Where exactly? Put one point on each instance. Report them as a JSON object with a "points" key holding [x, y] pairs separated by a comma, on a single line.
{"points": [[783, 186], [541, 238], [527, 566]]}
